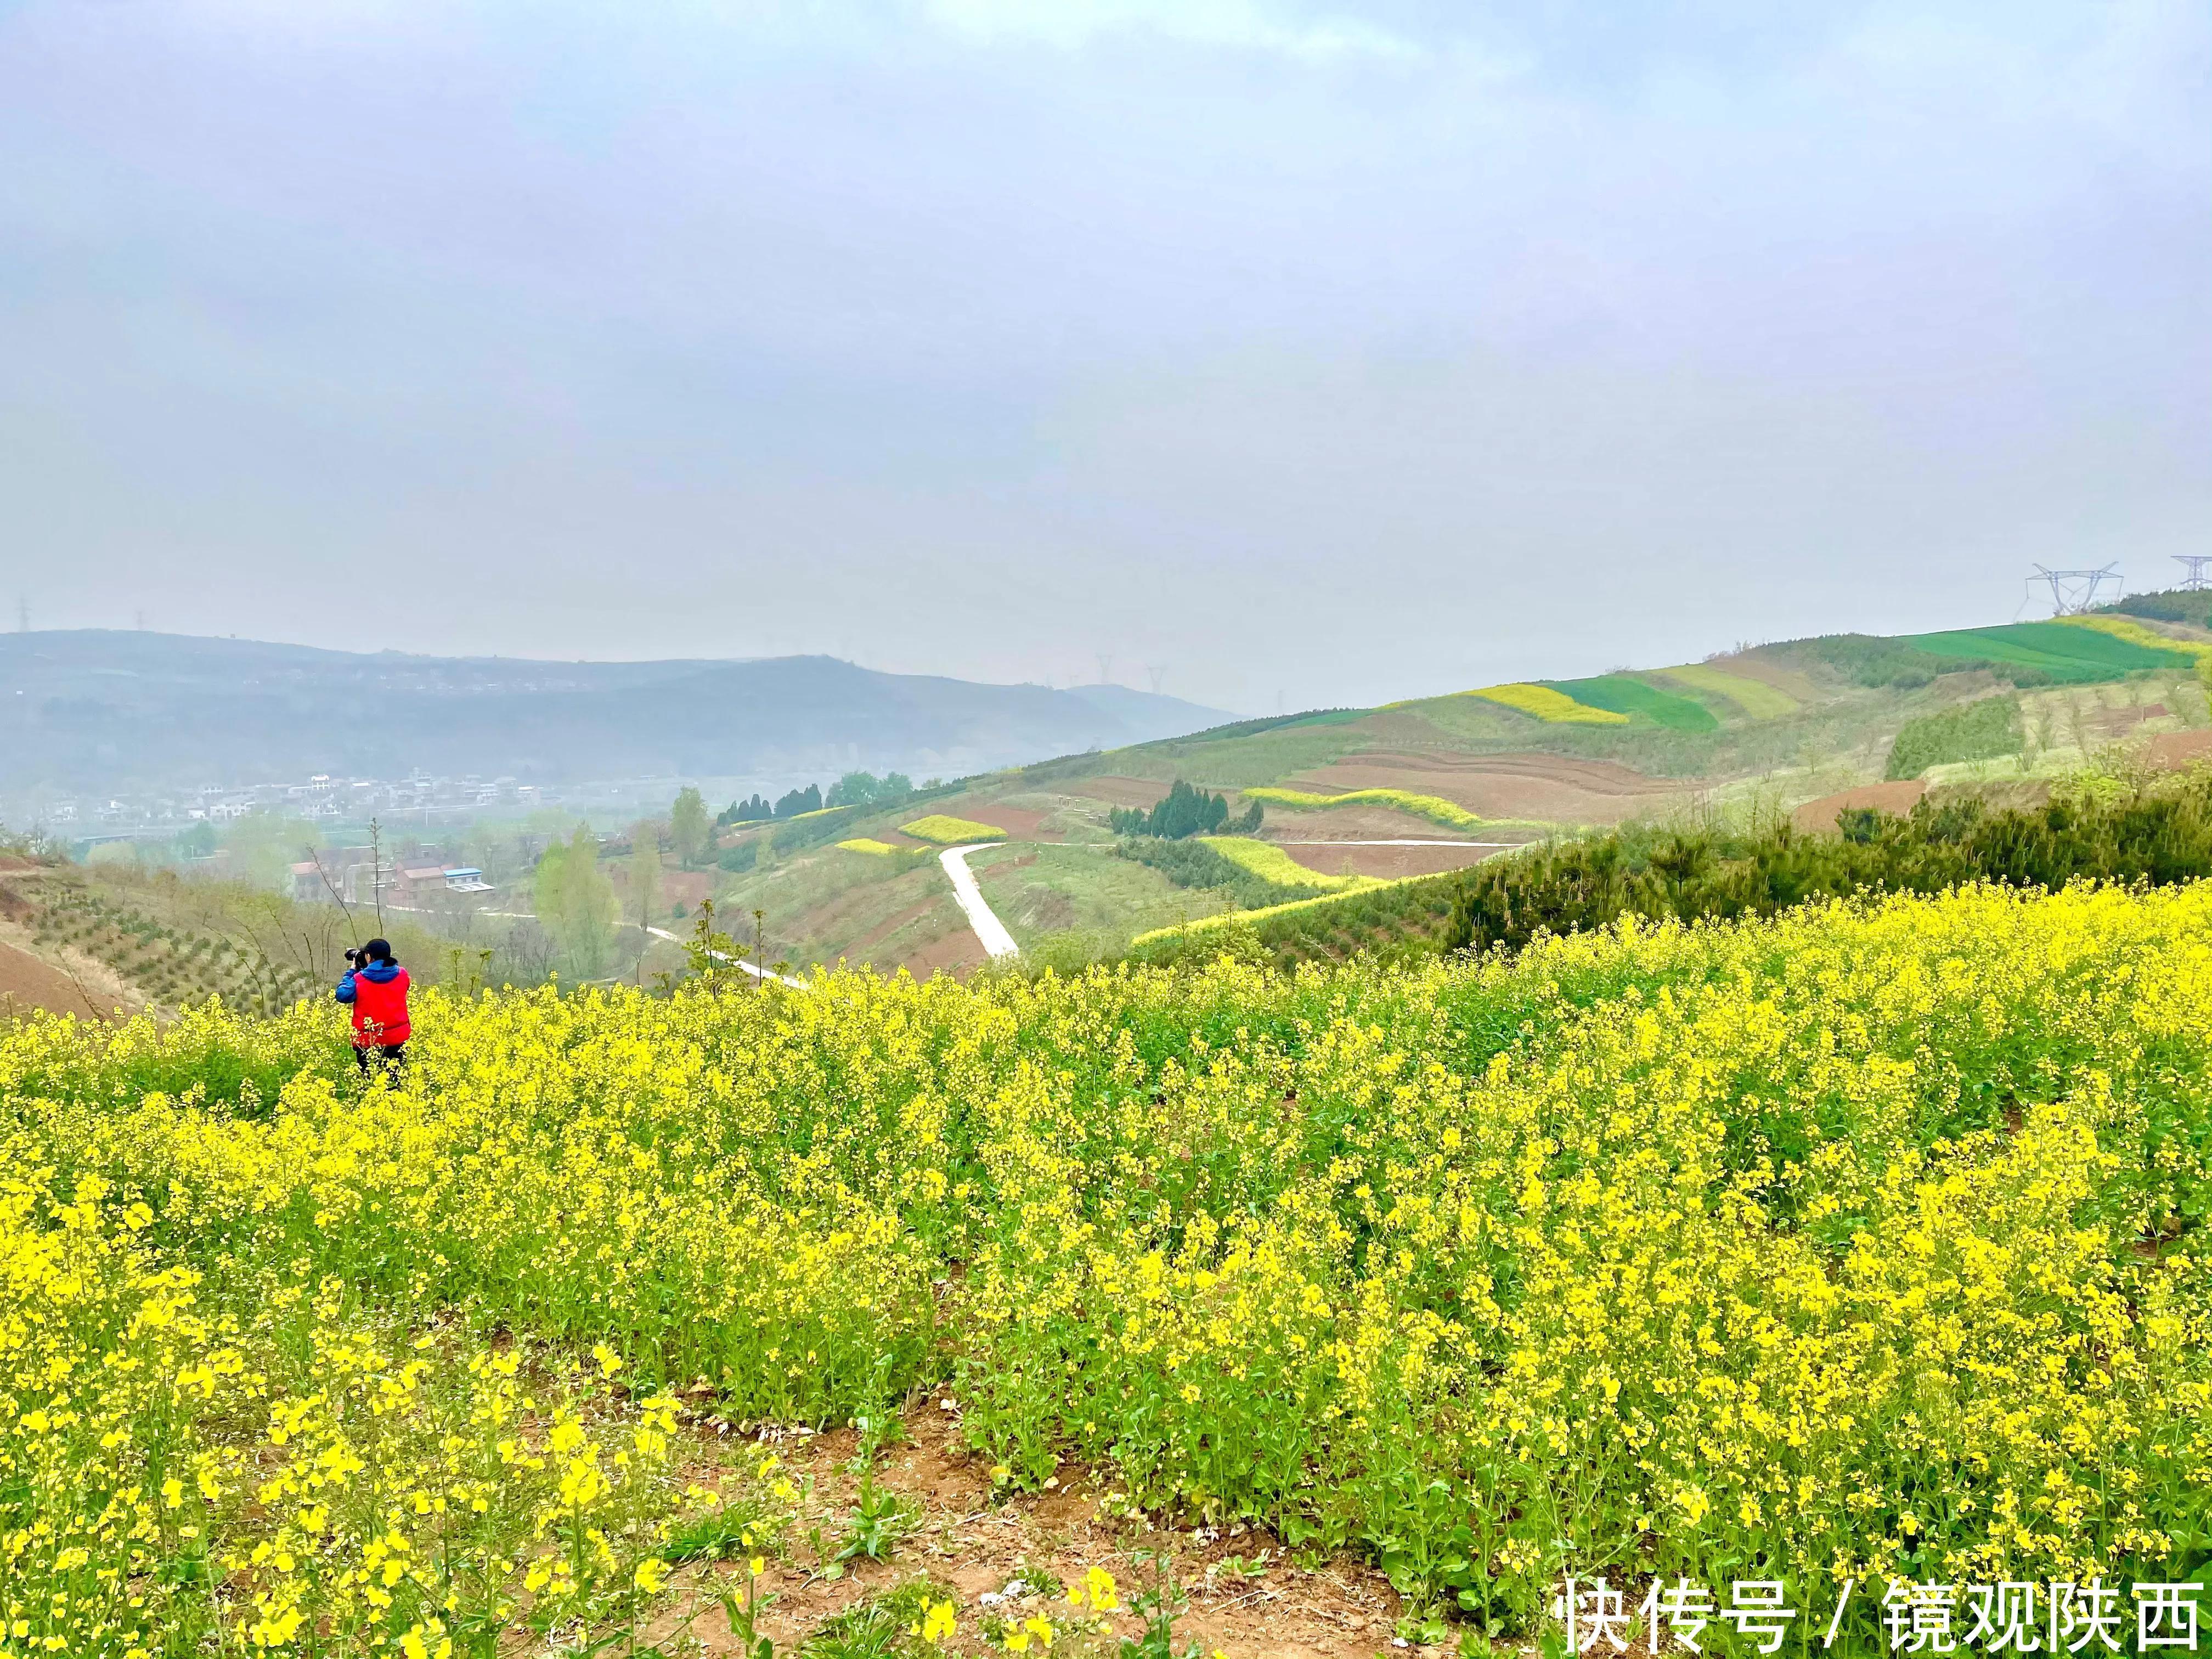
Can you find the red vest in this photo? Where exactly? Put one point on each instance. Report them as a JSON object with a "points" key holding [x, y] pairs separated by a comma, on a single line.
{"points": [[379, 1011]]}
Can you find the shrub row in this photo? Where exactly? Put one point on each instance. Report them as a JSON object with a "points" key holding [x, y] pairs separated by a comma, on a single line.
{"points": [[2158, 831], [1981, 730]]}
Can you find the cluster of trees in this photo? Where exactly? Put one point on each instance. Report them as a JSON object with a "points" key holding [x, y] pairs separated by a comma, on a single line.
{"points": [[853, 789], [799, 801], [2181, 605], [866, 789], [2158, 830], [1184, 811], [756, 809], [1982, 730]]}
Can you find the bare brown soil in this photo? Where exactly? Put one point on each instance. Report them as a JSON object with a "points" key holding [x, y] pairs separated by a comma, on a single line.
{"points": [[1244, 1598], [1896, 796], [689, 887], [2114, 725], [1550, 787], [1345, 823], [883, 930], [27, 981], [1020, 823], [53, 978], [2176, 751], [1388, 862], [1117, 791], [959, 952]]}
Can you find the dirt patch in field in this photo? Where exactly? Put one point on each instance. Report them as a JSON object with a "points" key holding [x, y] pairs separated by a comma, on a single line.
{"points": [[1020, 823], [883, 930], [1117, 791], [1896, 796], [2177, 750], [689, 887], [1549, 787], [959, 953], [1388, 862], [1243, 1598], [1357, 823], [27, 981]]}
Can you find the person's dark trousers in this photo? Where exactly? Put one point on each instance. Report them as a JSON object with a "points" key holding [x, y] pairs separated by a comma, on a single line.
{"points": [[390, 1057]]}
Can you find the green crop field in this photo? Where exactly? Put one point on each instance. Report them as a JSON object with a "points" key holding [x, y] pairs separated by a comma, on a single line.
{"points": [[1084, 897], [2070, 655], [1755, 698], [1624, 694]]}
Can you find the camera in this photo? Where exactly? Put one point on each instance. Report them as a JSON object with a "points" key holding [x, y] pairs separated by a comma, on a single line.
{"points": [[352, 955]]}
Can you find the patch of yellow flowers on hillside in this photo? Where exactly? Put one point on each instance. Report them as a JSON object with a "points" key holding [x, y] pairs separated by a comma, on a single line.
{"points": [[1549, 704], [1864, 1242]]}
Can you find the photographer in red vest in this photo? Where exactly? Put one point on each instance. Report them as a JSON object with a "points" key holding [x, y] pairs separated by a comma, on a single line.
{"points": [[375, 985]]}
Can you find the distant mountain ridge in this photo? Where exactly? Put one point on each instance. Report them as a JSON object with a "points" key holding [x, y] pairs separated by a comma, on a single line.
{"points": [[99, 710]]}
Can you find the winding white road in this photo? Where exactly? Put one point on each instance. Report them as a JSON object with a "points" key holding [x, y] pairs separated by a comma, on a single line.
{"points": [[988, 929], [734, 962]]}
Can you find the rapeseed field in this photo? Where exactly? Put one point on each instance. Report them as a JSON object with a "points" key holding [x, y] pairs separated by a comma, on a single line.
{"points": [[1550, 704], [1861, 1243], [1435, 808]]}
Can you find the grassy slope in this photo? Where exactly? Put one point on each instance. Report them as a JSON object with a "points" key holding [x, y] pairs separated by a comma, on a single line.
{"points": [[1823, 733], [827, 904], [1043, 889]]}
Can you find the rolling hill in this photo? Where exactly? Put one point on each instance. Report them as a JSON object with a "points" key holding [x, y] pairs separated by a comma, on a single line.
{"points": [[102, 711], [1419, 788]]}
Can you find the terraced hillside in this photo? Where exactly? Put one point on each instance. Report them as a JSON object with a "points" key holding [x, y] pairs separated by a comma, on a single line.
{"points": [[101, 941], [1429, 786]]}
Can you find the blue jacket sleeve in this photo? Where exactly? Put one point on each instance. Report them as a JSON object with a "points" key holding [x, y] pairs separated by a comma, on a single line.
{"points": [[344, 993]]}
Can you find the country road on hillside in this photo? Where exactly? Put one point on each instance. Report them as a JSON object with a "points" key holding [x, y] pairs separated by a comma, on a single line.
{"points": [[734, 962], [989, 931]]}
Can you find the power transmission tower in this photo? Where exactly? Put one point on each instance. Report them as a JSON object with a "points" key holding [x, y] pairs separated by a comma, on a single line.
{"points": [[1105, 668], [2196, 581], [1157, 674], [24, 615], [2074, 591]]}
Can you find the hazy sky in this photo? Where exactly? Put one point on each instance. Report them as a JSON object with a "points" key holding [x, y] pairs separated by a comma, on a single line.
{"points": [[1331, 352]]}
